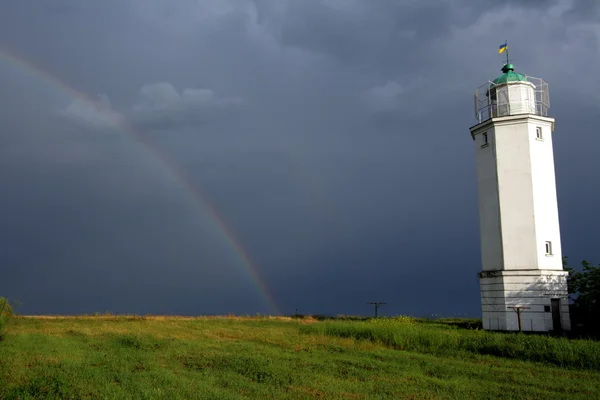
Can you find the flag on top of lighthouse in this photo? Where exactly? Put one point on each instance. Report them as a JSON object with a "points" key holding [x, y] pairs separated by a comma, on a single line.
{"points": [[503, 48]]}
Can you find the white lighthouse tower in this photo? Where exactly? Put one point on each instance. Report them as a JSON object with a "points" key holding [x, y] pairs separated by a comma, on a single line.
{"points": [[523, 284]]}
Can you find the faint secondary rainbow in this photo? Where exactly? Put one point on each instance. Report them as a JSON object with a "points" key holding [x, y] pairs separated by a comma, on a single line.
{"points": [[123, 125]]}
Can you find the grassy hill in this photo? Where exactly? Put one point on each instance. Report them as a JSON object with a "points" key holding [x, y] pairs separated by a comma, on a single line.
{"points": [[127, 357]]}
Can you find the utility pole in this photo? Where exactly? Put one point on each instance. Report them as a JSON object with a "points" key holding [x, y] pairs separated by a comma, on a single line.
{"points": [[376, 304], [518, 310]]}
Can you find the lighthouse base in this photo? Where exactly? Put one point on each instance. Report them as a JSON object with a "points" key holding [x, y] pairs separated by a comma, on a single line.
{"points": [[539, 298]]}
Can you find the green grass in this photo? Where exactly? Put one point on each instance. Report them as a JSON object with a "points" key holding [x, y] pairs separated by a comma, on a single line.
{"points": [[262, 358], [444, 339]]}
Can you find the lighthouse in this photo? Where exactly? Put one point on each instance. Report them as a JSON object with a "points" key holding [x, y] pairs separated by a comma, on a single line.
{"points": [[523, 284]]}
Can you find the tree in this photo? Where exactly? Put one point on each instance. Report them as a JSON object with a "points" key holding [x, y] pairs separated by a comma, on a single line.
{"points": [[584, 291]]}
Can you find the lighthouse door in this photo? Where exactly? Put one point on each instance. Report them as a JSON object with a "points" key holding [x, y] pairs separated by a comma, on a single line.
{"points": [[555, 303]]}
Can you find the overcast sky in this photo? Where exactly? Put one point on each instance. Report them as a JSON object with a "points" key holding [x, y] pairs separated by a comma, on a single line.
{"points": [[330, 136]]}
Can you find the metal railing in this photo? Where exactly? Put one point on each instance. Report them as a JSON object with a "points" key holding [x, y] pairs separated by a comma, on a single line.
{"points": [[486, 109]]}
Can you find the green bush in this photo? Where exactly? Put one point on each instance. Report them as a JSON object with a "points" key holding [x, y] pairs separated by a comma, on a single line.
{"points": [[443, 340], [6, 313]]}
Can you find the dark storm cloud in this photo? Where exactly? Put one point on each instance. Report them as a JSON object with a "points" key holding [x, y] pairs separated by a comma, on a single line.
{"points": [[161, 106], [584, 10], [331, 136], [382, 35], [352, 30]]}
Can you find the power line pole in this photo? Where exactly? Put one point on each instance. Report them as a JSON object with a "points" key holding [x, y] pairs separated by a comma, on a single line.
{"points": [[518, 310], [376, 304]]}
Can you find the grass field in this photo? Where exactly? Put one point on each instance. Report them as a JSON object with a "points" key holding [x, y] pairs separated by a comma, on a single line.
{"points": [[284, 358]]}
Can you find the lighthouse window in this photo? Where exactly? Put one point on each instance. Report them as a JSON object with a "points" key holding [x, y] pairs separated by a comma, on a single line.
{"points": [[538, 133], [548, 248], [484, 139]]}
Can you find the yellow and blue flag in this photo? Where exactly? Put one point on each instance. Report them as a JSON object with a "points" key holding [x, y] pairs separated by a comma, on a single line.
{"points": [[503, 48]]}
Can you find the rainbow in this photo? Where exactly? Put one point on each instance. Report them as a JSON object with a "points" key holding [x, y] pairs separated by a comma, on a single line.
{"points": [[173, 172]]}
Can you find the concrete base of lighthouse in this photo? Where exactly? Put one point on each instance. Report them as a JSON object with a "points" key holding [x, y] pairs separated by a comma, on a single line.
{"points": [[544, 292]]}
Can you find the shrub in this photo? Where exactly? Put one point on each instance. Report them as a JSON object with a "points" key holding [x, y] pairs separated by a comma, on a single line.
{"points": [[6, 313]]}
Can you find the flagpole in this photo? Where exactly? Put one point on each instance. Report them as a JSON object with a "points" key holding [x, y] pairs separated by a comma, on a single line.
{"points": [[506, 50]]}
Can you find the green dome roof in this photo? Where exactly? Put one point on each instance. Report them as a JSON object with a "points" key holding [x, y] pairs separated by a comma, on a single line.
{"points": [[509, 75]]}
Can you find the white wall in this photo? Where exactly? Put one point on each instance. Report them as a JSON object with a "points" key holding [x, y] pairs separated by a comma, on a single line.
{"points": [[515, 191], [489, 209], [518, 209], [547, 225], [533, 289]]}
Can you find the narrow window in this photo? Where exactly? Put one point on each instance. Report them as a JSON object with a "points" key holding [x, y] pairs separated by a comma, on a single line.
{"points": [[485, 139], [538, 133], [548, 248]]}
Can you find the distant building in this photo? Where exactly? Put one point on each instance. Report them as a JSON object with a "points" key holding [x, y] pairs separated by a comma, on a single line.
{"points": [[521, 254]]}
